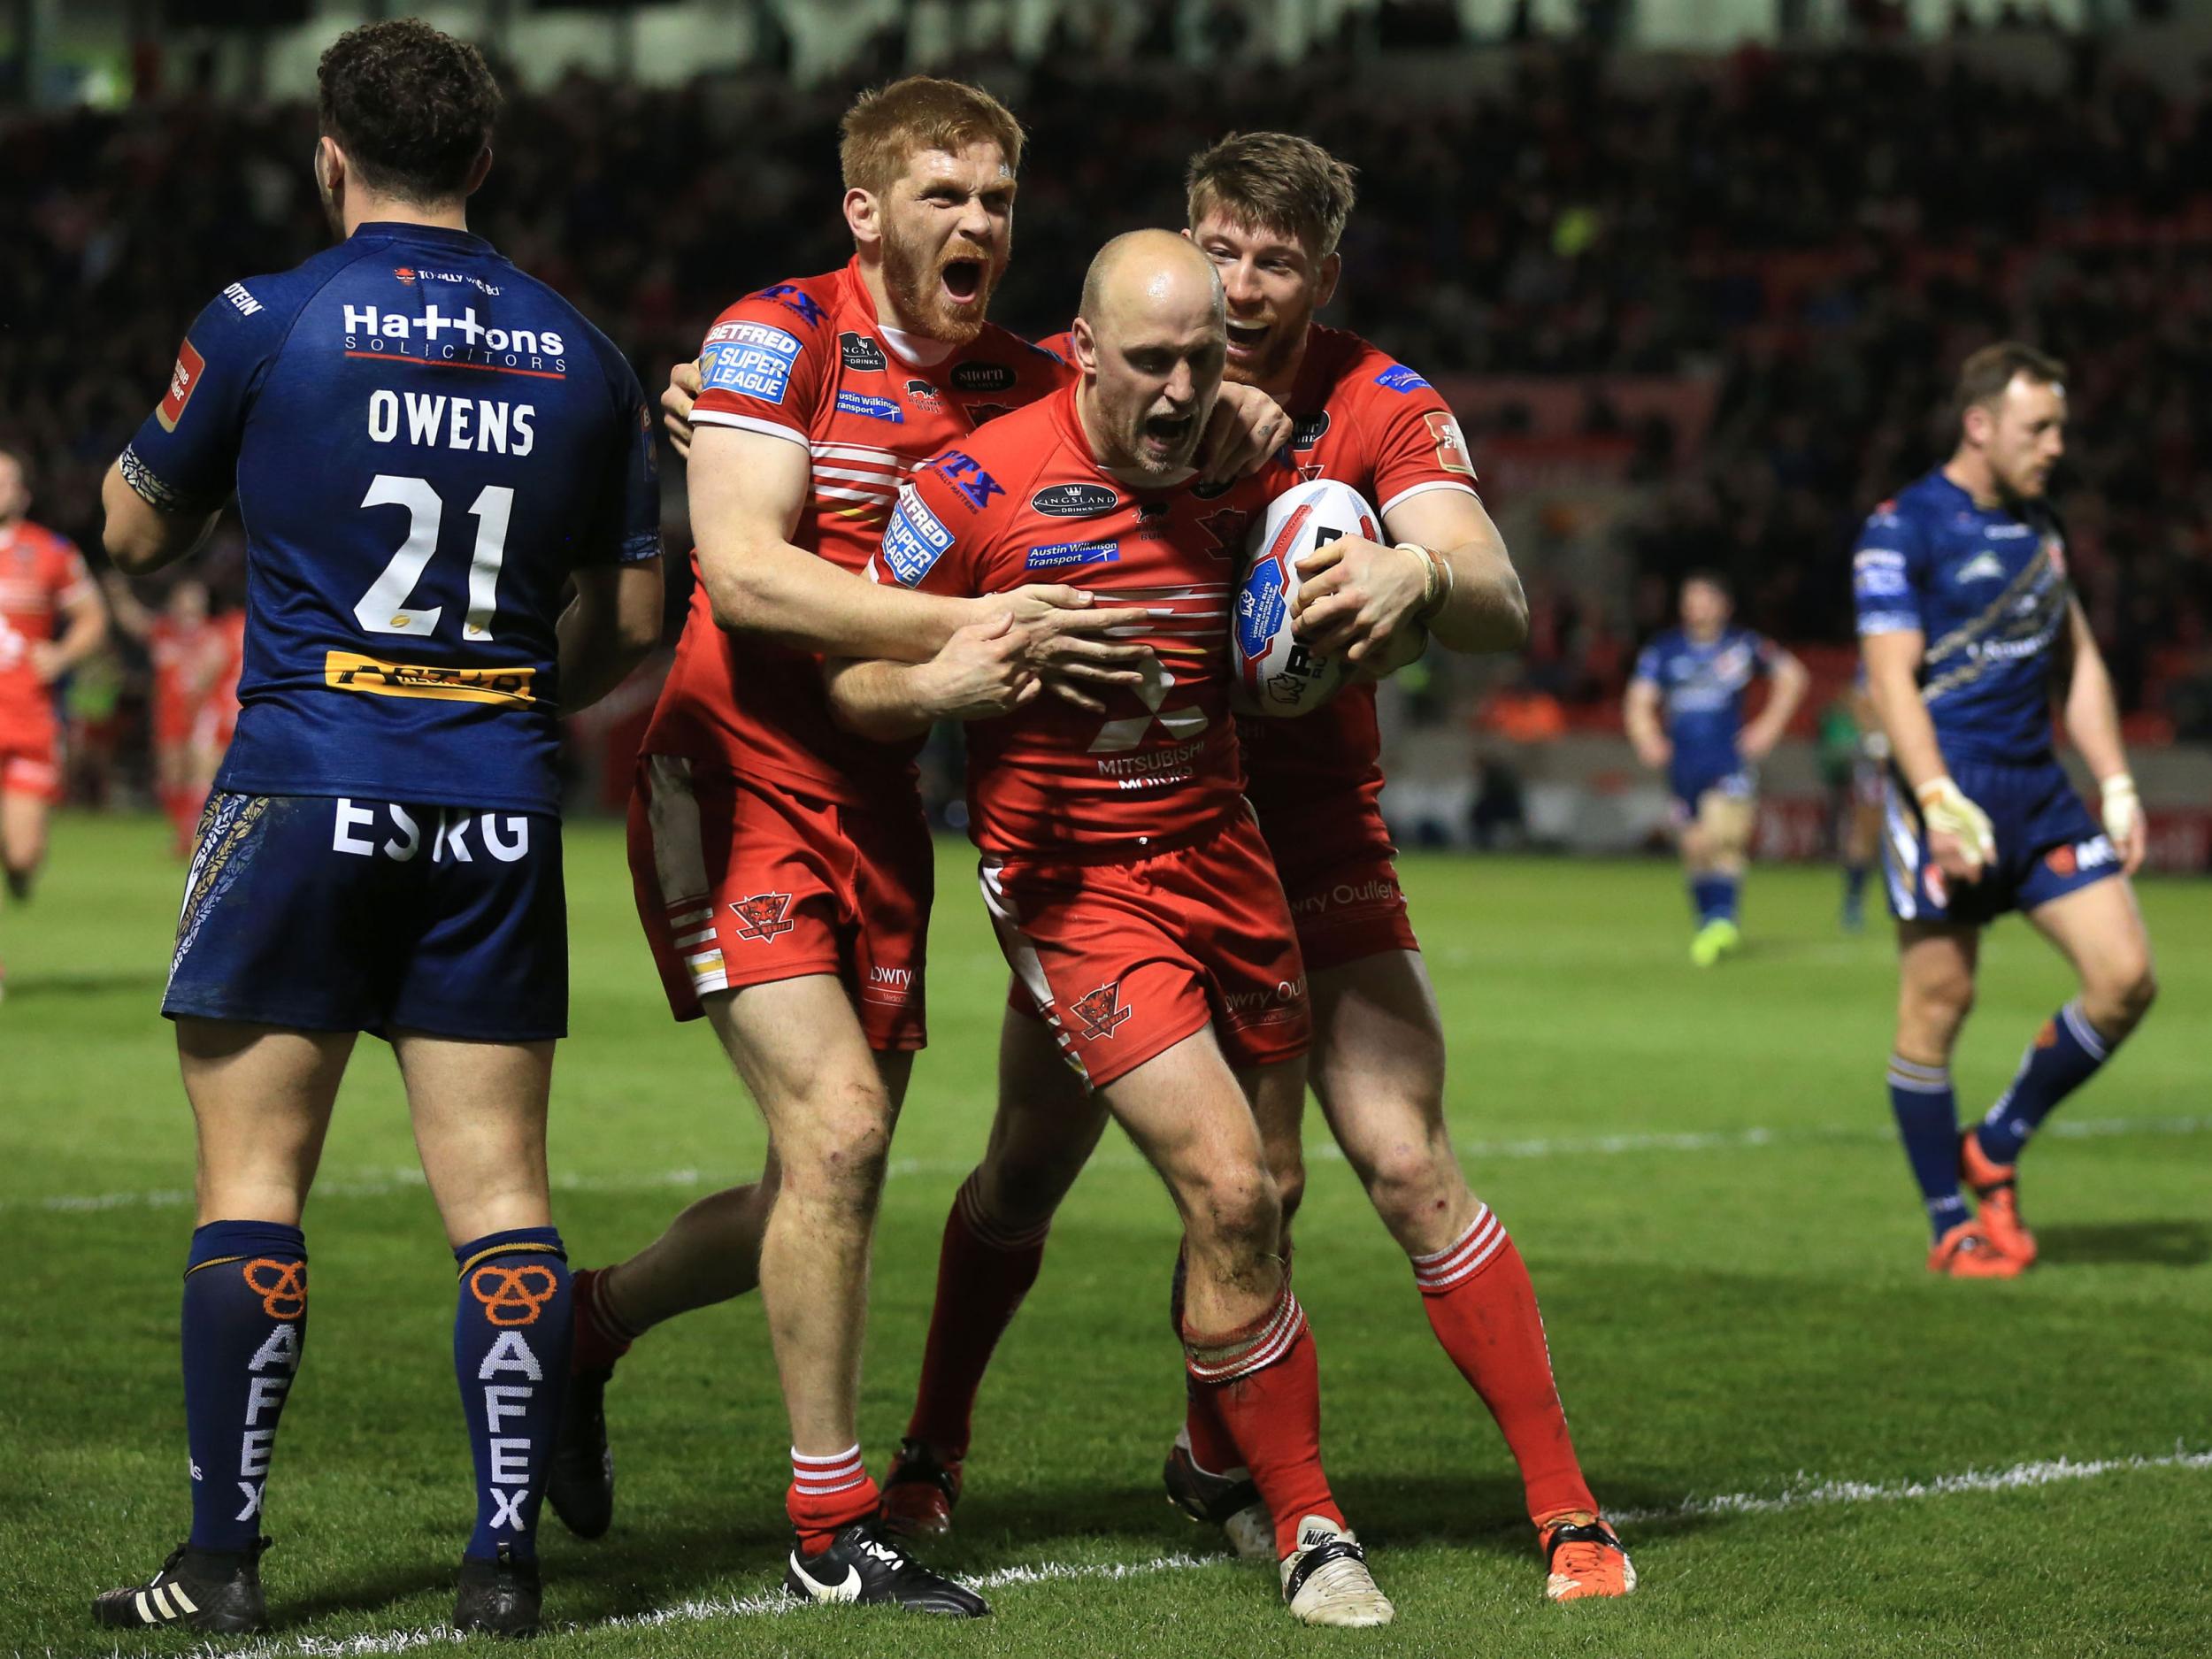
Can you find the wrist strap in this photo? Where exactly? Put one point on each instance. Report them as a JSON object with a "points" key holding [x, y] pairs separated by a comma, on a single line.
{"points": [[1437, 579]]}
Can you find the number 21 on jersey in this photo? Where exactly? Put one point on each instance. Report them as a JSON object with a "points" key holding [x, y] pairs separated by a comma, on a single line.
{"points": [[384, 608]]}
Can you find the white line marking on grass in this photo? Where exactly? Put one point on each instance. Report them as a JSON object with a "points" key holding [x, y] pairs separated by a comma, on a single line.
{"points": [[710, 1610], [385, 1184], [1805, 1493]]}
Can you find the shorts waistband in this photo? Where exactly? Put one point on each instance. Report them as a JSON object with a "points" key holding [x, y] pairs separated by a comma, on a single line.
{"points": [[1122, 853]]}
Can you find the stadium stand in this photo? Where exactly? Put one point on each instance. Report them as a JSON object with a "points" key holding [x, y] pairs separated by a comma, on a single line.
{"points": [[1802, 287]]}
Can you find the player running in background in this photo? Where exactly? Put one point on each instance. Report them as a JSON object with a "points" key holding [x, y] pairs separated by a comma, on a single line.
{"points": [[428, 448], [191, 653], [1268, 210], [1969, 624], [1685, 715], [1132, 891], [51, 620]]}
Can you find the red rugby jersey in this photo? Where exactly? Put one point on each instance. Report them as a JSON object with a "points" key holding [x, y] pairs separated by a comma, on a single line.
{"points": [[40, 575], [809, 363], [187, 662], [1360, 417], [1023, 501]]}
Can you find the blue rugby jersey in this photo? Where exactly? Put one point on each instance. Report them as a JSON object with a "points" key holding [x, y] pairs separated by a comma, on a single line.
{"points": [[1986, 587], [1701, 692], [425, 442]]}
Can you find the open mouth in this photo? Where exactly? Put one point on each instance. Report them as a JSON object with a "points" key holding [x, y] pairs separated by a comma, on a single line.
{"points": [[1166, 434], [963, 279], [1245, 339]]}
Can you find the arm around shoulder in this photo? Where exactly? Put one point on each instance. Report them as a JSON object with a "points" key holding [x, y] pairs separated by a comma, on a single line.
{"points": [[748, 490]]}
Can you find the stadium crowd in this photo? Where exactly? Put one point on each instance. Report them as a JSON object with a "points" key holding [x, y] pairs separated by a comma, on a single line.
{"points": [[1827, 270]]}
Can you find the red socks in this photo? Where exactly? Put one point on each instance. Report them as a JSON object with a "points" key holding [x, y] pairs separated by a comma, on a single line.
{"points": [[600, 1336], [827, 1494], [983, 1272], [1263, 1387], [1210, 1447], [1477, 1294]]}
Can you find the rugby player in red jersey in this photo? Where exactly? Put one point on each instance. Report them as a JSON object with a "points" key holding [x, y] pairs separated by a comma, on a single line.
{"points": [[1132, 891], [783, 866], [192, 656], [1268, 210], [51, 620]]}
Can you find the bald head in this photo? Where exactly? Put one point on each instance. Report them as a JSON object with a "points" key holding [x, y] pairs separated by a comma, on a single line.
{"points": [[1151, 276], [1151, 341]]}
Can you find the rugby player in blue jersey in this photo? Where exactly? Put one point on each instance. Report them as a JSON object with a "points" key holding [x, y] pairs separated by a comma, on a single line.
{"points": [[1685, 715], [446, 478], [1969, 628]]}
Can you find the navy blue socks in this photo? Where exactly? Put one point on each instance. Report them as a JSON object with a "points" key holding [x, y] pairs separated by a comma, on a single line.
{"points": [[1713, 897], [1927, 1119], [511, 1332], [245, 1327], [2065, 1055]]}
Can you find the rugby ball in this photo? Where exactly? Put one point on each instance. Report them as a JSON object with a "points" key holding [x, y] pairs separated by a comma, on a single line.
{"points": [[1276, 675]]}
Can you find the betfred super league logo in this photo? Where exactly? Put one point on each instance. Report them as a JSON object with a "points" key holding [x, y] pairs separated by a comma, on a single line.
{"points": [[1101, 1011], [762, 915]]}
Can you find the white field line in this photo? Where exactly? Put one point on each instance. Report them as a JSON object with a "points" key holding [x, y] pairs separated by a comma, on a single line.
{"points": [[1807, 1493], [702, 1610], [1804, 1493], [385, 1183]]}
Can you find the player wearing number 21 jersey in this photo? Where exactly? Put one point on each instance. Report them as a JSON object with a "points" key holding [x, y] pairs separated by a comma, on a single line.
{"points": [[430, 450], [398, 415]]}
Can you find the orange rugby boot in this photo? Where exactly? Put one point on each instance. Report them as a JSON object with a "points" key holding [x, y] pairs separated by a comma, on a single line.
{"points": [[1967, 1252], [1996, 1188], [1583, 1556]]}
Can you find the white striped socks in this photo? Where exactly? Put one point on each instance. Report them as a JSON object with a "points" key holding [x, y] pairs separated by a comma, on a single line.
{"points": [[1439, 1271], [1252, 1349], [820, 1477], [1916, 1078]]}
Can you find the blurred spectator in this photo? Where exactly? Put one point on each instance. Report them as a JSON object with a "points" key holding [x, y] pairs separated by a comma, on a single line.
{"points": [[1826, 235]]}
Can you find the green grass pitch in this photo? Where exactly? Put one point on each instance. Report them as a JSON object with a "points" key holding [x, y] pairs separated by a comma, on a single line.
{"points": [[1698, 1166]]}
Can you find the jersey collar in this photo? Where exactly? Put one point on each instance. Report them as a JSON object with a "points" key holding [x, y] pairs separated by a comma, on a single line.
{"points": [[915, 351], [430, 235]]}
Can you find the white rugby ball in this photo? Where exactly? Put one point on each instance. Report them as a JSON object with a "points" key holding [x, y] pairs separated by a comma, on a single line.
{"points": [[1276, 675]]}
